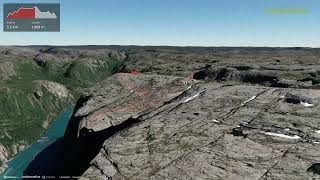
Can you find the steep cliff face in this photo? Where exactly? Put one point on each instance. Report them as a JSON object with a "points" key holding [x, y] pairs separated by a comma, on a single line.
{"points": [[36, 85], [26, 114], [166, 127], [121, 97]]}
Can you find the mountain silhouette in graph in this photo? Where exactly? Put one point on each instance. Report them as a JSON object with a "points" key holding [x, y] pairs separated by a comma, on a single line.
{"points": [[31, 13]]}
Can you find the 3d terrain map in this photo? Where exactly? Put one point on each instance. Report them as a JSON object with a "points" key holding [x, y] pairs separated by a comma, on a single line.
{"points": [[163, 112]]}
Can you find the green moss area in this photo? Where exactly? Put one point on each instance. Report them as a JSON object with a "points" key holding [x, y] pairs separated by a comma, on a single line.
{"points": [[22, 114], [184, 146]]}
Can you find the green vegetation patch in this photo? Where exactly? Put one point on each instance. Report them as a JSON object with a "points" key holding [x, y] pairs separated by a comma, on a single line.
{"points": [[24, 115], [184, 146]]}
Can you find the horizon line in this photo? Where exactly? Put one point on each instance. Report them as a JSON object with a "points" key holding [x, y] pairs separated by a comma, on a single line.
{"points": [[132, 45]]}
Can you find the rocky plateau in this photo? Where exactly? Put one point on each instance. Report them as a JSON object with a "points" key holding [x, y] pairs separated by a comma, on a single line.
{"points": [[180, 112]]}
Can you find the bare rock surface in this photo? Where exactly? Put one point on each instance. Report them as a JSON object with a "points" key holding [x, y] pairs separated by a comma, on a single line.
{"points": [[7, 70], [274, 67], [58, 90], [131, 96], [206, 131], [3, 157]]}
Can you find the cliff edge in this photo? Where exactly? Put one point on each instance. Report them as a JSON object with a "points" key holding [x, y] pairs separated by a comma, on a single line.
{"points": [[167, 127]]}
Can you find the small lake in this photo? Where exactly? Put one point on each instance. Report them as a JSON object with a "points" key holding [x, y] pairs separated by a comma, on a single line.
{"points": [[21, 161]]}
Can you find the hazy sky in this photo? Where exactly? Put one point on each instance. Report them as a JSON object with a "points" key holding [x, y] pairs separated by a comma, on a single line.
{"points": [[177, 22]]}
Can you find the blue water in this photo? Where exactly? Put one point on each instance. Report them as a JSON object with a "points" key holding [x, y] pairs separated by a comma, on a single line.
{"points": [[20, 162]]}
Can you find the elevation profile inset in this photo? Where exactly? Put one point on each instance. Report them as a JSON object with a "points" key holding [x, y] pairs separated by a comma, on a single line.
{"points": [[31, 13]]}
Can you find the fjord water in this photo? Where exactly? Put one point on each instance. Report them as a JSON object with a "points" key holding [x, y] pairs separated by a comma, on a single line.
{"points": [[21, 161]]}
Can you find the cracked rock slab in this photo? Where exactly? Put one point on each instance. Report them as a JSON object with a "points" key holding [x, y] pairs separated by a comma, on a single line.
{"points": [[125, 95], [191, 134]]}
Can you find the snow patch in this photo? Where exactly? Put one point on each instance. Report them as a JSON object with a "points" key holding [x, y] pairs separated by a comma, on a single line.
{"points": [[306, 104], [190, 98], [282, 135], [216, 121], [245, 102], [287, 129], [318, 131]]}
